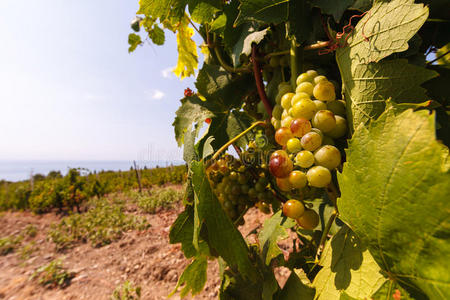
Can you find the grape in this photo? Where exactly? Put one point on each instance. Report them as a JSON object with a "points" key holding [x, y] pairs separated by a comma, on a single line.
{"points": [[274, 61], [278, 98], [236, 190], [293, 145], [264, 207], [318, 131], [284, 184], [306, 87], [324, 120], [284, 114], [337, 107], [326, 140], [233, 175], [303, 78], [304, 159], [277, 111], [297, 179], [284, 87], [280, 166], [263, 181], [311, 141], [245, 188], [286, 100], [318, 176], [305, 108], [293, 209], [319, 105], [299, 96], [282, 135], [328, 156], [286, 122], [319, 78], [279, 153], [252, 193], [309, 220], [341, 128], [324, 91], [242, 179], [299, 127], [275, 123], [312, 74]]}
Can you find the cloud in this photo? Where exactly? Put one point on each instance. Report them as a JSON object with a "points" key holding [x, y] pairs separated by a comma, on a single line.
{"points": [[155, 94], [167, 72]]}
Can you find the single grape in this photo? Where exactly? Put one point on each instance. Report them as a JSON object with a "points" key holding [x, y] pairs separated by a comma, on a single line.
{"points": [[275, 123], [309, 220], [304, 159], [263, 181], [233, 175], [312, 74], [280, 166], [245, 188], [328, 156], [277, 111], [297, 179], [319, 78], [227, 204], [311, 141], [319, 105], [293, 209], [279, 153], [284, 184], [286, 122], [278, 98], [305, 87], [305, 108], [284, 114], [293, 145], [264, 207], [299, 127], [341, 128], [318, 176], [242, 179], [282, 135], [259, 187], [286, 100], [284, 87], [318, 131], [303, 78], [337, 107], [299, 96], [252, 193], [324, 120], [324, 91], [236, 189], [274, 61]]}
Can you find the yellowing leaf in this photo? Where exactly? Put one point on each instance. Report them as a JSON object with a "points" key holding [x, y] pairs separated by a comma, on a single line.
{"points": [[187, 51]]}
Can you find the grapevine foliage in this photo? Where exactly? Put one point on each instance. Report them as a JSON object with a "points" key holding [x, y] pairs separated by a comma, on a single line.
{"points": [[340, 124]]}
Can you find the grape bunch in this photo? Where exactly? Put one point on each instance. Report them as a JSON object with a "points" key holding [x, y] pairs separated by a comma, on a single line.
{"points": [[239, 186], [306, 121]]}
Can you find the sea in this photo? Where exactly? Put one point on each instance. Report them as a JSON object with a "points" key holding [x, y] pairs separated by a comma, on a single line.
{"points": [[17, 170]]}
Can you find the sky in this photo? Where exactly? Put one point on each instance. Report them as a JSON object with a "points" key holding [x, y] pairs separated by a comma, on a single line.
{"points": [[69, 89]]}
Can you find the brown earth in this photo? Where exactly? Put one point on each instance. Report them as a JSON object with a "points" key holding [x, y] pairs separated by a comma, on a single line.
{"points": [[143, 257]]}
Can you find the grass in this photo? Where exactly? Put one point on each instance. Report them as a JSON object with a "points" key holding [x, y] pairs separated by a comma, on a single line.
{"points": [[9, 243], [127, 291], [157, 198], [102, 224], [53, 274]]}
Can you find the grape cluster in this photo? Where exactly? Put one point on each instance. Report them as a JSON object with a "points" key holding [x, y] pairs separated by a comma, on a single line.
{"points": [[307, 121], [238, 187]]}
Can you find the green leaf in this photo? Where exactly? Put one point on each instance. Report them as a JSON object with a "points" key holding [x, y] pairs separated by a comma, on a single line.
{"points": [[347, 267], [134, 40], [264, 11], [187, 50], [243, 46], [203, 11], [207, 148], [182, 231], [300, 23], [163, 9], [395, 187], [274, 230], [156, 34], [334, 8], [218, 25], [390, 290], [388, 26], [193, 277], [223, 236], [294, 289], [368, 86]]}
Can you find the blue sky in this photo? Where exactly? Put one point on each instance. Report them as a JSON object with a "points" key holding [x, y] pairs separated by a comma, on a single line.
{"points": [[70, 90]]}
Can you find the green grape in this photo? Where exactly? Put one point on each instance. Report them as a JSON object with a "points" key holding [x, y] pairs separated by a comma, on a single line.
{"points": [[337, 107], [242, 179], [233, 175], [341, 128], [311, 141], [275, 123], [305, 108], [328, 156], [274, 61], [264, 207], [286, 122], [299, 127], [252, 193], [293, 145], [293, 209], [236, 190], [303, 78], [277, 111], [297, 179], [320, 105], [259, 187], [278, 98], [262, 196], [324, 91], [326, 140], [284, 87], [319, 78], [286, 100], [245, 188], [309, 220], [312, 74], [299, 96], [284, 114], [283, 184], [324, 120], [263, 181], [305, 87], [227, 204], [318, 131], [318, 176], [304, 159], [282, 135]]}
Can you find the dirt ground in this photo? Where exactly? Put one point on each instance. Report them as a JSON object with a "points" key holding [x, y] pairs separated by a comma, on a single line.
{"points": [[143, 257]]}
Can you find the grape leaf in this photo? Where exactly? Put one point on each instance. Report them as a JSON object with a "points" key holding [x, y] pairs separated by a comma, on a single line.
{"points": [[274, 230], [193, 277], [295, 289], [203, 11], [243, 46], [187, 50], [264, 11], [156, 34], [163, 9], [334, 8], [347, 267], [223, 236], [388, 26], [182, 231], [300, 24], [390, 290], [134, 40], [367, 86], [395, 187]]}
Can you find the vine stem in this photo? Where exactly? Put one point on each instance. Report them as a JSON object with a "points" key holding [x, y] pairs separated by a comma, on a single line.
{"points": [[316, 46], [294, 63], [259, 81], [325, 232], [224, 147], [227, 67]]}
